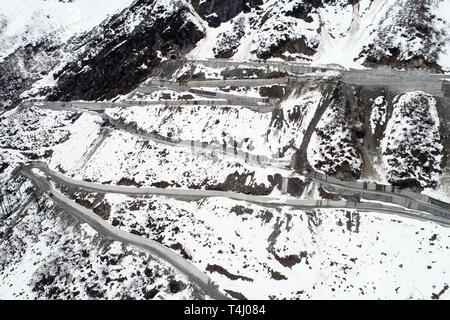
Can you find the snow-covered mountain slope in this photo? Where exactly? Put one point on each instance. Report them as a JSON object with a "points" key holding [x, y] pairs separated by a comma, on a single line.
{"points": [[272, 129], [42, 54], [412, 34], [110, 59], [350, 33], [48, 255], [276, 136], [266, 253], [28, 22], [249, 250]]}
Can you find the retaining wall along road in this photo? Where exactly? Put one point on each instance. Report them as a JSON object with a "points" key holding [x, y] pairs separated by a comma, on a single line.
{"points": [[220, 82], [385, 193]]}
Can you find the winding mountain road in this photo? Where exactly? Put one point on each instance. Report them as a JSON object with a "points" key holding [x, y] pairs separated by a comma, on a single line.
{"points": [[104, 228], [407, 199], [408, 204], [189, 195], [398, 80]]}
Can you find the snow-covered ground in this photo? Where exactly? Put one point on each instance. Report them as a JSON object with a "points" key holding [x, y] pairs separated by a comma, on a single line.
{"points": [[62, 138], [123, 156], [258, 133], [265, 253], [251, 251], [48, 255], [347, 29]]}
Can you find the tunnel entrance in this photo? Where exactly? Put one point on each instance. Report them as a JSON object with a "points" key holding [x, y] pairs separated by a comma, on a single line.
{"points": [[172, 55]]}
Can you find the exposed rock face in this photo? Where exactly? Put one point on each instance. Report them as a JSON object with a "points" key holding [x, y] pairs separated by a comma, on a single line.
{"points": [[272, 28], [402, 34], [408, 38], [228, 42], [217, 11], [301, 10], [118, 58], [275, 92], [109, 60], [412, 144], [289, 44], [333, 148], [121, 52], [237, 183]]}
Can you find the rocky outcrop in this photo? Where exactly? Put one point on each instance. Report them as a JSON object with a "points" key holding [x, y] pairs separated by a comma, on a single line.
{"points": [[333, 148], [123, 51], [408, 37], [229, 42], [301, 10], [237, 183], [217, 11], [412, 146]]}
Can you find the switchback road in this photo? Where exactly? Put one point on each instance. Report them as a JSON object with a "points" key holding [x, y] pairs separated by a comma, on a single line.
{"points": [[104, 228]]}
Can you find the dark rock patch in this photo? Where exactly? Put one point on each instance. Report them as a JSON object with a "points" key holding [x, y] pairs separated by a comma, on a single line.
{"points": [[277, 276], [237, 182], [179, 247], [274, 92], [217, 11], [161, 184], [176, 286], [116, 222], [186, 97], [266, 216], [94, 292], [223, 271], [148, 295], [3, 166], [288, 261], [301, 10], [240, 210], [136, 205], [128, 182], [45, 280], [436, 296], [295, 187], [291, 45], [276, 180], [83, 202], [103, 210]]}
